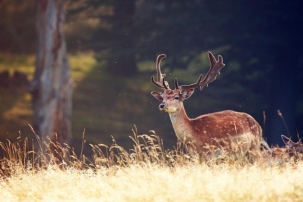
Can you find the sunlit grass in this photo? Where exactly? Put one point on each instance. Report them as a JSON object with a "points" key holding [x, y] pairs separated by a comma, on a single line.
{"points": [[146, 172], [154, 183], [81, 65], [12, 63]]}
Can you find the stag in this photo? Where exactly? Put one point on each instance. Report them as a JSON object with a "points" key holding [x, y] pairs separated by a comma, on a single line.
{"points": [[220, 129]]}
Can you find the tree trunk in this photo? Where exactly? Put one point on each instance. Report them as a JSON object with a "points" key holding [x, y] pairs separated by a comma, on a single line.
{"points": [[52, 84]]}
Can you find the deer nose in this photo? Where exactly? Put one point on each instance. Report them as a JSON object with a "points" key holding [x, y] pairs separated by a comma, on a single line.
{"points": [[162, 105]]}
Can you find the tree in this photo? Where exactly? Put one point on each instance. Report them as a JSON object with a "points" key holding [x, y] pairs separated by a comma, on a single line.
{"points": [[52, 85]]}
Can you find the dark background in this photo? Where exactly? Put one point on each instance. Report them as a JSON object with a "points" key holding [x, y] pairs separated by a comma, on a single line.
{"points": [[260, 41]]}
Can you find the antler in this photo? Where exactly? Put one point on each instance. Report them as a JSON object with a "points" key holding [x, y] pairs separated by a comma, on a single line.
{"points": [[160, 83], [213, 72]]}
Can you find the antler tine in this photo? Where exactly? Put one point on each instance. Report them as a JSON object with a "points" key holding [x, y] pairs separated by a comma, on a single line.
{"points": [[160, 83], [213, 72], [176, 84], [156, 83], [160, 76], [164, 83], [194, 85]]}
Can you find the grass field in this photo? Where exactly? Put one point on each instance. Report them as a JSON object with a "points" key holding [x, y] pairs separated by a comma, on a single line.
{"points": [[155, 183], [147, 173]]}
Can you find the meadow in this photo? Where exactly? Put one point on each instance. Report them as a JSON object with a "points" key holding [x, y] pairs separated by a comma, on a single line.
{"points": [[98, 168], [145, 172]]}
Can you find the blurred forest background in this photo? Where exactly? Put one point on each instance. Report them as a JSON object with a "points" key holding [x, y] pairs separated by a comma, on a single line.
{"points": [[113, 46]]}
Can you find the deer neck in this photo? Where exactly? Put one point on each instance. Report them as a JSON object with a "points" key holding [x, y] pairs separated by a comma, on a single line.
{"points": [[181, 124]]}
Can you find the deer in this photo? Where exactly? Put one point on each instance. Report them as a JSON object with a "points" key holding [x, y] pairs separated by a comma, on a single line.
{"points": [[220, 129], [291, 146], [284, 154]]}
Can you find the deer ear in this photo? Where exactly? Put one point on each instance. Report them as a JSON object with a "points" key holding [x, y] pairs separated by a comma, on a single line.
{"points": [[187, 93], [157, 95]]}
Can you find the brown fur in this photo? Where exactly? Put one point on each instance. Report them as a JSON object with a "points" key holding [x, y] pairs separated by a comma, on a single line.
{"points": [[220, 129]]}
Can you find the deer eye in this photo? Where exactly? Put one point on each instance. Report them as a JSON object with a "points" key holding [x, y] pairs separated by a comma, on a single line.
{"points": [[176, 98]]}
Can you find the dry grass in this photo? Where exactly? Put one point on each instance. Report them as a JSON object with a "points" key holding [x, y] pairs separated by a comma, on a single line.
{"points": [[146, 172], [197, 182]]}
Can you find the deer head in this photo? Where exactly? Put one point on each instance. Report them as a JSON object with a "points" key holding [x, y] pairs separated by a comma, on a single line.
{"points": [[172, 100]]}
